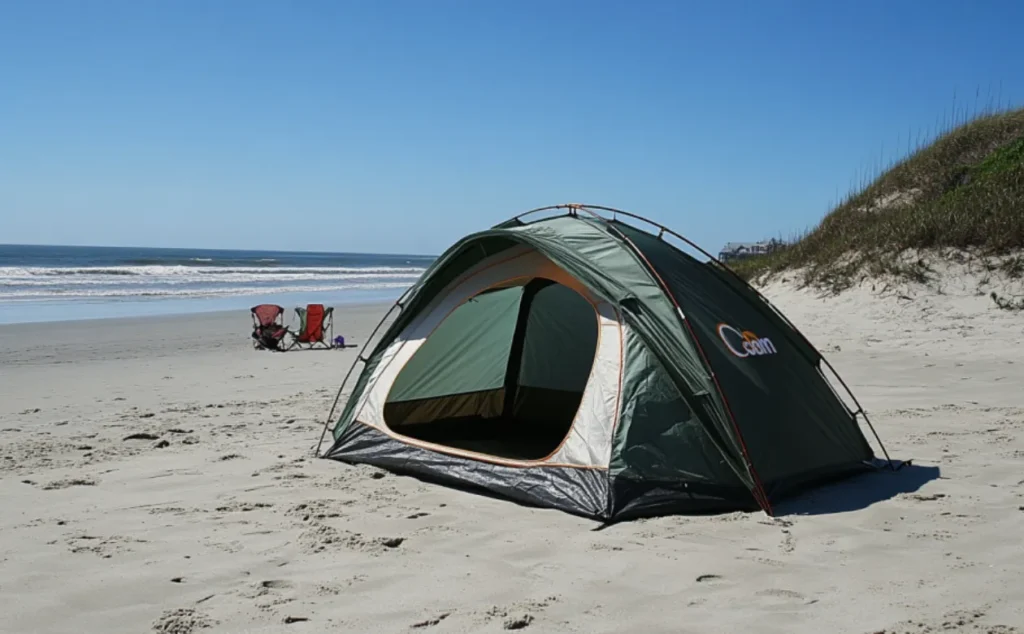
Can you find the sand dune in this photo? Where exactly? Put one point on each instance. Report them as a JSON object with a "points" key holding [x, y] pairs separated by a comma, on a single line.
{"points": [[157, 475]]}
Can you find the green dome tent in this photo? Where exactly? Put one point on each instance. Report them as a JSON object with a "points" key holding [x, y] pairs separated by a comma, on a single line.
{"points": [[577, 362]]}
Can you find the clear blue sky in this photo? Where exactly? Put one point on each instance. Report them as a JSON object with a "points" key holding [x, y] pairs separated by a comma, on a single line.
{"points": [[397, 126]]}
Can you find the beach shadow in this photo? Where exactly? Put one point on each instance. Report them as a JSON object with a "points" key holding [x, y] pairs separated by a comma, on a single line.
{"points": [[858, 492]]}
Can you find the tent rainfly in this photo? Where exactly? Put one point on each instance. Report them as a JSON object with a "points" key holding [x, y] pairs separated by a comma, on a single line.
{"points": [[577, 362]]}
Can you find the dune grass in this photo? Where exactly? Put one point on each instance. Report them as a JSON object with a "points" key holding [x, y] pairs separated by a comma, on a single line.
{"points": [[964, 192]]}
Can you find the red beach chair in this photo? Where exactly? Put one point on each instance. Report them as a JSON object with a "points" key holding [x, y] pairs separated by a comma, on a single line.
{"points": [[268, 326], [316, 327]]}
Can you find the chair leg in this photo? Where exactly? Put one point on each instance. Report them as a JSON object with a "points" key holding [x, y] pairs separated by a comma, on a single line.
{"points": [[329, 331]]}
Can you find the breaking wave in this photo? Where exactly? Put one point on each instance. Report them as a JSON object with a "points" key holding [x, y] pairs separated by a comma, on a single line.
{"points": [[124, 293], [7, 272], [37, 283]]}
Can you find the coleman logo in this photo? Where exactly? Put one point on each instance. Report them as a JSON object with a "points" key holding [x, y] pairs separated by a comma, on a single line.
{"points": [[746, 343]]}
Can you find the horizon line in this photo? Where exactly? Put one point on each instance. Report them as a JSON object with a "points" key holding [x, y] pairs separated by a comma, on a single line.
{"points": [[237, 250]]}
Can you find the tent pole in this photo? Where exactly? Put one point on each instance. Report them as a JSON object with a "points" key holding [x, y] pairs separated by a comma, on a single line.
{"points": [[359, 357], [568, 207], [515, 355], [860, 410]]}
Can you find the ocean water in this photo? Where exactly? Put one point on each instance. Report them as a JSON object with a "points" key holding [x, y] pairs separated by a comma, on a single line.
{"points": [[53, 283]]}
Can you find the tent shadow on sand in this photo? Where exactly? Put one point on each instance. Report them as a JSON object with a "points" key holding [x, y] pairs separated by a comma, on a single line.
{"points": [[859, 492]]}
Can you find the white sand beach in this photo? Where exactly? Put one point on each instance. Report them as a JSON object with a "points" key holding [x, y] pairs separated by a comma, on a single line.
{"points": [[156, 474]]}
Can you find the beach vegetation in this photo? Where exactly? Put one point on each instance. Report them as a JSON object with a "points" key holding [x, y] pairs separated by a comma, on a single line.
{"points": [[960, 195]]}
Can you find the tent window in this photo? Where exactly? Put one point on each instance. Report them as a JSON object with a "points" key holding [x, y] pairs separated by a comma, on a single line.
{"points": [[503, 374]]}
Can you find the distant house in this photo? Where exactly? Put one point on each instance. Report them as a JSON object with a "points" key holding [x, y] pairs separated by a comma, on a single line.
{"points": [[740, 250]]}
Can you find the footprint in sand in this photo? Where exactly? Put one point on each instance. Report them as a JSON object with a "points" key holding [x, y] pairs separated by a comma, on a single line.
{"points": [[518, 622], [243, 507], [776, 596], [519, 616], [67, 483], [320, 537], [105, 547], [141, 436], [788, 541], [333, 589], [431, 622], [316, 510], [272, 593], [959, 621], [921, 497], [182, 621]]}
